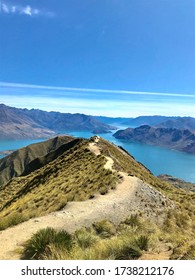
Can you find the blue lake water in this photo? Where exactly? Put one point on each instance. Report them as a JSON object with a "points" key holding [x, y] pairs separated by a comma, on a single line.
{"points": [[16, 144], [158, 159]]}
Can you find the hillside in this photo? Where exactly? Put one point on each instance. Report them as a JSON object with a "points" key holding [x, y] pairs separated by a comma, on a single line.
{"points": [[182, 140], [23, 159], [15, 124], [179, 123], [178, 182], [93, 183], [33, 124], [71, 172]]}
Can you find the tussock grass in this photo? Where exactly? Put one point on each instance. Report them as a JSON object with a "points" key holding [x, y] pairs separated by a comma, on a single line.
{"points": [[12, 220], [77, 174], [142, 242], [104, 228], [88, 244], [127, 241], [85, 238], [41, 241]]}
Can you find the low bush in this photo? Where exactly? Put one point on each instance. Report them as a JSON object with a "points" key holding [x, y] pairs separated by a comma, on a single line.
{"points": [[142, 242], [12, 220], [129, 252], [133, 220], [85, 239], [104, 228], [39, 243]]}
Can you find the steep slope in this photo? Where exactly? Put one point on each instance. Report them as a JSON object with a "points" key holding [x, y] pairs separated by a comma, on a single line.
{"points": [[75, 173], [178, 182], [65, 121], [182, 140], [125, 194], [85, 183], [15, 124], [30, 124], [23, 159]]}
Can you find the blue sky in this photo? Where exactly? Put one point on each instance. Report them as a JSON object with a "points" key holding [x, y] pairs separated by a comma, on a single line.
{"points": [[138, 53]]}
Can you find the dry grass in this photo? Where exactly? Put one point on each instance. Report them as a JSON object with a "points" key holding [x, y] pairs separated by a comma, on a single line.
{"points": [[127, 242], [77, 175]]}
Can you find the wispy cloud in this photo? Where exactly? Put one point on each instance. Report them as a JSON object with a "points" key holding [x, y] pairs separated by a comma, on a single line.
{"points": [[119, 103], [92, 90], [23, 10]]}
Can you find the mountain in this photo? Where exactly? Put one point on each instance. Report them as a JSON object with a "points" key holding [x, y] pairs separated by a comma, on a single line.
{"points": [[18, 162], [49, 174], [32, 124], [113, 121], [16, 124], [178, 139], [146, 120], [98, 193], [157, 121], [179, 123]]}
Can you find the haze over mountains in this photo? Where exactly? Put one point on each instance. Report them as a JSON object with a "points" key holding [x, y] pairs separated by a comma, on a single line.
{"points": [[157, 121]]}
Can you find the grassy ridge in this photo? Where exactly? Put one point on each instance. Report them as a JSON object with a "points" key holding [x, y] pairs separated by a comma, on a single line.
{"points": [[77, 174], [14, 164]]}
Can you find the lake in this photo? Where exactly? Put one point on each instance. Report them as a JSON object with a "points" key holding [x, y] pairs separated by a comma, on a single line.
{"points": [[158, 159], [16, 144]]}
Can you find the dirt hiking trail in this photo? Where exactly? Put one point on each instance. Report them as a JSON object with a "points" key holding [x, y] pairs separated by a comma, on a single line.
{"points": [[115, 206]]}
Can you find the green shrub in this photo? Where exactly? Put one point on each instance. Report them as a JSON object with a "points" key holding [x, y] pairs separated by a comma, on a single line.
{"points": [[129, 252], [39, 243], [104, 228], [142, 242], [190, 254], [85, 239], [11, 220], [133, 220]]}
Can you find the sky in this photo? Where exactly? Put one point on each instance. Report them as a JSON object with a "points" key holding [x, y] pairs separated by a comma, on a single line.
{"points": [[99, 57]]}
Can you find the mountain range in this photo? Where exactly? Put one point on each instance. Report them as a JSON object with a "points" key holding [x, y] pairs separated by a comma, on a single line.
{"points": [[178, 139], [156, 121], [33, 124]]}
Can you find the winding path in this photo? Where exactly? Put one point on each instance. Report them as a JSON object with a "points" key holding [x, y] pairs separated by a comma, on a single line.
{"points": [[115, 206]]}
